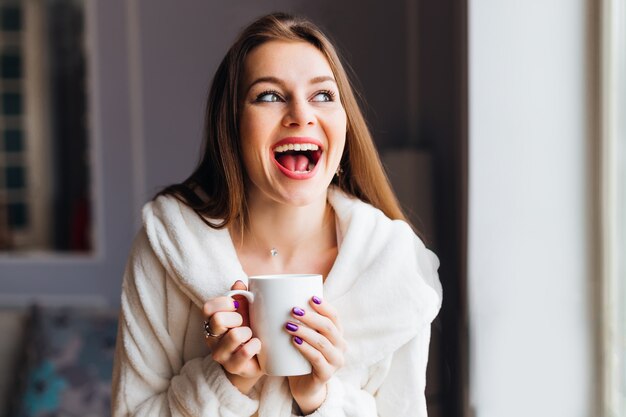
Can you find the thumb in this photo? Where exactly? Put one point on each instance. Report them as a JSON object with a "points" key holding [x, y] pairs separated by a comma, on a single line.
{"points": [[243, 302], [239, 285]]}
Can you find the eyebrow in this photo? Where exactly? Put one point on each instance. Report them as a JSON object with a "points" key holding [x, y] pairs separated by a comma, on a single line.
{"points": [[274, 80]]}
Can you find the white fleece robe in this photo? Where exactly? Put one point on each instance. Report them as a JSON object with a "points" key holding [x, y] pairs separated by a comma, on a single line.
{"points": [[384, 284]]}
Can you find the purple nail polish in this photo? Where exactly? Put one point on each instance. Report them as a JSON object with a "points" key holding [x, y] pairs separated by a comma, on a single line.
{"points": [[236, 303], [291, 327], [317, 300], [298, 311], [297, 340]]}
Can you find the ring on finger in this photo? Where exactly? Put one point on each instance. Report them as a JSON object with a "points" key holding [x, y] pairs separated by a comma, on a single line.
{"points": [[208, 332]]}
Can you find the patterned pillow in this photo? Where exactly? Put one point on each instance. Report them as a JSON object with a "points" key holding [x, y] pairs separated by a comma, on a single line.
{"points": [[68, 363]]}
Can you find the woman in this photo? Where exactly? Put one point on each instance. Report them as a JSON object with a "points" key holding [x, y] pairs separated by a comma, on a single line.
{"points": [[290, 182]]}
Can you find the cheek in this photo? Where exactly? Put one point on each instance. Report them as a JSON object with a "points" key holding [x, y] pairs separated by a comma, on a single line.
{"points": [[255, 161], [340, 121], [247, 139], [338, 127], [254, 127], [245, 129]]}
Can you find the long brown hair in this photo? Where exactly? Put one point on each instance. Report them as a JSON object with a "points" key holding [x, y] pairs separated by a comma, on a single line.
{"points": [[216, 189]]}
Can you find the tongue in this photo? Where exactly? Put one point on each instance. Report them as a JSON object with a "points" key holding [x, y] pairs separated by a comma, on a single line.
{"points": [[294, 162]]}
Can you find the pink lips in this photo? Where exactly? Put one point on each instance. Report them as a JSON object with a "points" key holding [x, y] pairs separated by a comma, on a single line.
{"points": [[287, 172]]}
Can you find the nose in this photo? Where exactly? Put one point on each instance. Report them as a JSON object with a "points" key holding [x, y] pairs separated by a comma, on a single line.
{"points": [[299, 113]]}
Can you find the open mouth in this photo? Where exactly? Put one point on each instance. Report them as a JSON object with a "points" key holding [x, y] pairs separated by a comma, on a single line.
{"points": [[297, 158]]}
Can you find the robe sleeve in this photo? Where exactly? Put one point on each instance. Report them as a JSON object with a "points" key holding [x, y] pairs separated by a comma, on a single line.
{"points": [[400, 392], [150, 377]]}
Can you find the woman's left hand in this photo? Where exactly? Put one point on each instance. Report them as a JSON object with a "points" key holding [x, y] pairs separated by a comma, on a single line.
{"points": [[319, 338]]}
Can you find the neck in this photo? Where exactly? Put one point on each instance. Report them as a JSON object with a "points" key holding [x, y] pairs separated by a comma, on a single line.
{"points": [[288, 229]]}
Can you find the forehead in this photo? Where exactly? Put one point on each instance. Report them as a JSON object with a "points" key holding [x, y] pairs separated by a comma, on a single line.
{"points": [[288, 61]]}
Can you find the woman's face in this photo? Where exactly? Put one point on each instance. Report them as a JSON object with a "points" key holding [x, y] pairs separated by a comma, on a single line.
{"points": [[292, 122]]}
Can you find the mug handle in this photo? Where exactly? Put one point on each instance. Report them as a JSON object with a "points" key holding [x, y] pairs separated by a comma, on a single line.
{"points": [[245, 293]]}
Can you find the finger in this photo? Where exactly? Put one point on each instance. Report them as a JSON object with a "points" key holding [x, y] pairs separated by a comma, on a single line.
{"points": [[239, 285], [320, 324], [326, 309], [244, 361], [248, 350], [222, 321], [230, 343], [219, 304], [321, 368], [244, 306], [332, 354]]}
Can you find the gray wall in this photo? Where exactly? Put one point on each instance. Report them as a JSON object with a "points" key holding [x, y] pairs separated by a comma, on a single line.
{"points": [[151, 62]]}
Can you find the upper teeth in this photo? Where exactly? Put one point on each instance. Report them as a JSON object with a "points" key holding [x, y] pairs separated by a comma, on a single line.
{"points": [[296, 147]]}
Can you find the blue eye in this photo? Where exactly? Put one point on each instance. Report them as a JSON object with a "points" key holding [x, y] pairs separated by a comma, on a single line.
{"points": [[325, 95], [268, 97]]}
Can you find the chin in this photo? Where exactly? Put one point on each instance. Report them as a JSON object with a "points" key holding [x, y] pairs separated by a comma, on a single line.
{"points": [[302, 196]]}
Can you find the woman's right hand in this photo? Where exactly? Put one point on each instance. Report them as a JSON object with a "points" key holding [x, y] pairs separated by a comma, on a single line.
{"points": [[233, 346]]}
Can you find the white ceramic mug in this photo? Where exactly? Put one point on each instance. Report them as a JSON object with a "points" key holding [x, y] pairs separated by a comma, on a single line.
{"points": [[271, 299]]}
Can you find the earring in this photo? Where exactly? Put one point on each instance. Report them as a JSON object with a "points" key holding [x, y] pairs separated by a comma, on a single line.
{"points": [[339, 171]]}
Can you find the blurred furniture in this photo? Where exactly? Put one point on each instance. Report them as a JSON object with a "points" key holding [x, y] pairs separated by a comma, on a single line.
{"points": [[12, 322], [61, 361]]}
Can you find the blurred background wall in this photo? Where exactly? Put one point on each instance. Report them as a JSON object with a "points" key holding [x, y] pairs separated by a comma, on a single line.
{"points": [[150, 66]]}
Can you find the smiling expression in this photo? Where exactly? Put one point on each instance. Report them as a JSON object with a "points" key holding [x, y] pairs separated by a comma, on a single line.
{"points": [[292, 124]]}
